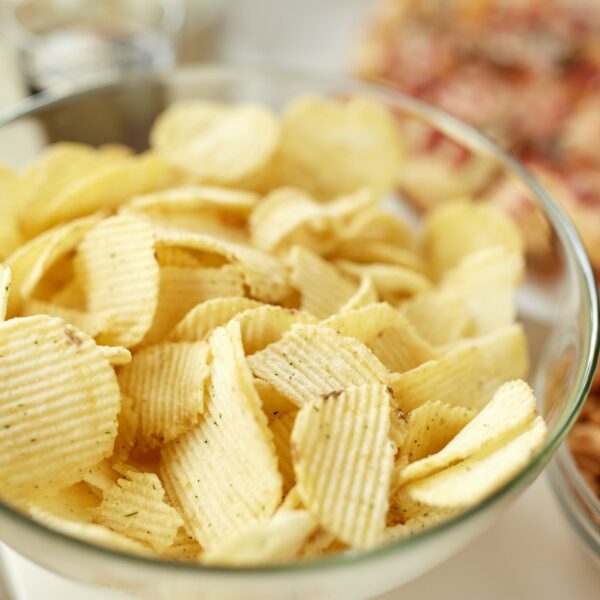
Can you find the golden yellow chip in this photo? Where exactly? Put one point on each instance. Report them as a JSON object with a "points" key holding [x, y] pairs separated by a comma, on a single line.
{"points": [[102, 476], [392, 282], [76, 502], [486, 281], [184, 547], [115, 355], [364, 295], [510, 409], [323, 289], [274, 541], [311, 361], [357, 140], [128, 426], [106, 187], [59, 394], [374, 223], [193, 198], [264, 274], [274, 403], [12, 194], [321, 543], [378, 251], [135, 507], [204, 317], [31, 261], [431, 426], [472, 480], [166, 384], [181, 289], [5, 277], [459, 228], [267, 324], [216, 143], [228, 460], [343, 460], [467, 375], [439, 317], [70, 296], [281, 427], [178, 257], [119, 274], [92, 323]]}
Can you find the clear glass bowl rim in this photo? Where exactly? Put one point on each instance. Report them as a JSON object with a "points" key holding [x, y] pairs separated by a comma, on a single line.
{"points": [[456, 129]]}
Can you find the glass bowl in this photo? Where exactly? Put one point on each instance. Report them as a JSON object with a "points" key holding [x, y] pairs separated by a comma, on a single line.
{"points": [[558, 310], [577, 501]]}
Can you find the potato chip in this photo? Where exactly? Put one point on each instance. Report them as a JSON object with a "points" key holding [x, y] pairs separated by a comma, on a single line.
{"points": [[431, 426], [324, 290], [12, 193], [275, 541], [292, 500], [120, 274], [311, 361], [204, 317], [468, 375], [182, 289], [378, 251], [509, 410], [264, 274], [70, 296], [193, 198], [115, 355], [31, 261], [274, 403], [103, 188], [266, 324], [439, 317], [216, 143], [75, 502], [135, 507], [58, 406], [486, 281], [5, 277], [321, 543], [178, 257], [356, 139], [398, 426], [364, 295], [343, 461], [228, 460], [91, 323], [374, 223], [184, 547], [166, 383], [468, 482], [281, 428], [93, 534], [459, 228], [391, 281], [101, 477]]}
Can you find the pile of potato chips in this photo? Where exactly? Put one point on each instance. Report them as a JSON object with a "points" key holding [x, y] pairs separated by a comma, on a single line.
{"points": [[226, 350]]}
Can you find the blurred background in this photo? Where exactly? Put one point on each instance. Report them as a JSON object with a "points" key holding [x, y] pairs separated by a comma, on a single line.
{"points": [[526, 72]]}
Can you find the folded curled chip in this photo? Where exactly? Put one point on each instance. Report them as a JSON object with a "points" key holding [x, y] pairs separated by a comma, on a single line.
{"points": [[343, 460], [375, 223], [214, 142], [103, 188], [378, 251], [472, 480], [467, 375], [311, 361], [193, 197], [277, 540], [166, 383], [458, 228], [168, 256], [5, 277], [12, 199], [208, 315], [392, 282], [228, 460], [181, 289], [266, 324], [431, 426], [281, 427], [135, 507], [93, 323], [264, 274], [31, 261], [274, 403], [323, 289], [115, 355], [510, 410], [58, 405], [365, 294], [357, 139], [119, 273]]}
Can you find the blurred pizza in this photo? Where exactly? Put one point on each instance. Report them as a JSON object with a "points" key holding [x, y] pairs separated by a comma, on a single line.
{"points": [[525, 72]]}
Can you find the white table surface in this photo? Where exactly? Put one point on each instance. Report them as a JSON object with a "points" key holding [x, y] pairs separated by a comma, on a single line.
{"points": [[530, 554]]}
